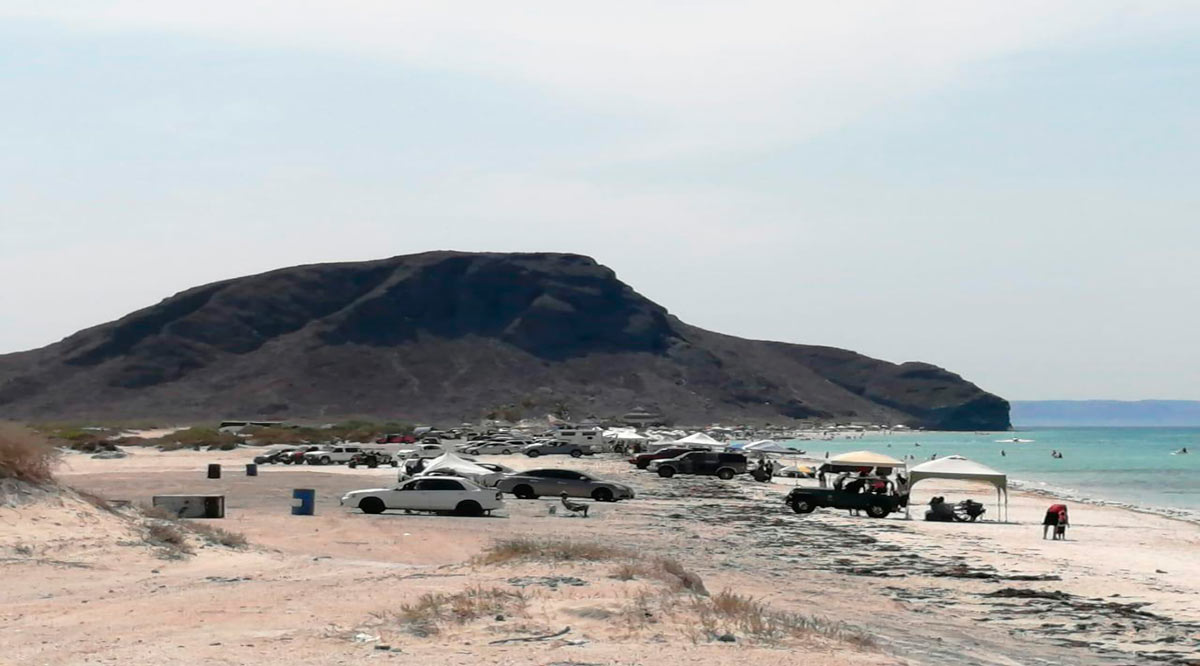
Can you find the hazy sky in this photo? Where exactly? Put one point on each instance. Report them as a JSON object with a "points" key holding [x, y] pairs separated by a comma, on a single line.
{"points": [[1007, 189]]}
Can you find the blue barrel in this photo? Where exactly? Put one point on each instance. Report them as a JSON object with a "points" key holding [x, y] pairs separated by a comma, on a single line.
{"points": [[251, 469], [303, 501]]}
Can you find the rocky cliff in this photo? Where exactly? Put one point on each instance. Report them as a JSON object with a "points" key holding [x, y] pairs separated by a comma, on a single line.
{"points": [[447, 336]]}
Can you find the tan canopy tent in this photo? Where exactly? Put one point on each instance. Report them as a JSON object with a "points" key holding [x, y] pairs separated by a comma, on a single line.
{"points": [[865, 459], [958, 467]]}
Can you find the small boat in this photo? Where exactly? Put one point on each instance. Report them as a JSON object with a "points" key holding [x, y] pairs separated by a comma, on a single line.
{"points": [[1014, 440]]}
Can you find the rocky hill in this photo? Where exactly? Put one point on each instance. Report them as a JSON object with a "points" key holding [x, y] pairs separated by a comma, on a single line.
{"points": [[448, 336]]}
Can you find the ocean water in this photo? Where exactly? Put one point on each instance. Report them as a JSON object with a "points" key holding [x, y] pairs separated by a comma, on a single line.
{"points": [[1133, 466]]}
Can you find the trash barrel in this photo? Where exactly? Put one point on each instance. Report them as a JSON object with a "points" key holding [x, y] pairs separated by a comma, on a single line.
{"points": [[303, 501], [251, 469], [214, 471]]}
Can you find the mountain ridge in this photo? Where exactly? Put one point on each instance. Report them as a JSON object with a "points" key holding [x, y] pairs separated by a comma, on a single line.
{"points": [[451, 335]]}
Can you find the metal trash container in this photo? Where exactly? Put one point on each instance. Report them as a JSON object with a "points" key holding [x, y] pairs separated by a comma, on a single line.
{"points": [[251, 469], [303, 501], [214, 471]]}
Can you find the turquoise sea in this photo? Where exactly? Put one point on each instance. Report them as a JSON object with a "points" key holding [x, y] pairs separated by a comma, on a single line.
{"points": [[1132, 466]]}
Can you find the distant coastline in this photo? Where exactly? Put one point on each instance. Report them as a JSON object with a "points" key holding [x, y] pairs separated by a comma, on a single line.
{"points": [[1105, 413]]}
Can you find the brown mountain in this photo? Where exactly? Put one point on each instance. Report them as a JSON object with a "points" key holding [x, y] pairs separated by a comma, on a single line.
{"points": [[447, 336]]}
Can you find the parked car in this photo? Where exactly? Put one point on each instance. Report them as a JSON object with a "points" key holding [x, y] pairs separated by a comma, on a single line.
{"points": [[804, 500], [373, 458], [296, 456], [273, 456], [337, 454], [558, 448], [532, 484], [396, 438], [643, 460], [504, 447], [429, 493], [707, 463]]}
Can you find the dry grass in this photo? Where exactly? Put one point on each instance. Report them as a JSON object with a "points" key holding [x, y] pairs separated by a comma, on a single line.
{"points": [[547, 550], [168, 531], [217, 535], [731, 613], [170, 538], [26, 455], [663, 569], [432, 613]]}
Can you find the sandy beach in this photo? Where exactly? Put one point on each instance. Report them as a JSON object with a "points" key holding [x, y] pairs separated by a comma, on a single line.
{"points": [[83, 586]]}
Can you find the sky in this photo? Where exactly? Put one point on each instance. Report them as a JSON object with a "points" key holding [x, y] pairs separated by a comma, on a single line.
{"points": [[1004, 189]]}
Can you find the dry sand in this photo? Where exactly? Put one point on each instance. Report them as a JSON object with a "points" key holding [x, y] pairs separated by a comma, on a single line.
{"points": [[80, 585]]}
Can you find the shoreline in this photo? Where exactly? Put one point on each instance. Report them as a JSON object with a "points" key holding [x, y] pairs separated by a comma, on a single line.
{"points": [[1184, 515]]}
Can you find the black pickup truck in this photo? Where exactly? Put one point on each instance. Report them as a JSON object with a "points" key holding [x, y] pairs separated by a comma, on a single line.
{"points": [[804, 500]]}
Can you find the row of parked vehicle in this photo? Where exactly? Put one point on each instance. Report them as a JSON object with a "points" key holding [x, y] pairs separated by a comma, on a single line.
{"points": [[454, 494]]}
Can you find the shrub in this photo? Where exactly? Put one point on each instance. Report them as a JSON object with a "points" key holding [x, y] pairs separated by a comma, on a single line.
{"points": [[548, 549], [730, 612], [431, 611], [25, 455], [217, 535], [662, 569], [210, 437], [168, 536]]}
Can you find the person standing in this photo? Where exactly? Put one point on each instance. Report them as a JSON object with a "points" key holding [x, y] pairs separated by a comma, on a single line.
{"points": [[1053, 514]]}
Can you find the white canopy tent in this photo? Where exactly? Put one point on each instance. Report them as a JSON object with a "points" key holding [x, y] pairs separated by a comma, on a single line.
{"points": [[460, 465], [769, 446], [958, 467], [626, 436], [696, 439]]}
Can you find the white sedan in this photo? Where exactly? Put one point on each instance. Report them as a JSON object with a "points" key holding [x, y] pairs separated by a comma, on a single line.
{"points": [[428, 493], [426, 451]]}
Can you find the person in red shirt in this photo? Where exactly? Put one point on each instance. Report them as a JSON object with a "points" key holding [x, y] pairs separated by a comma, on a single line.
{"points": [[1055, 515]]}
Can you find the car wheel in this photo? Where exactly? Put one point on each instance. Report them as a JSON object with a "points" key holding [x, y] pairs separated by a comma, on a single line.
{"points": [[524, 492], [468, 508], [802, 506], [533, 454], [325, 460], [371, 505], [877, 511], [642, 464], [602, 495], [666, 472], [576, 453], [395, 464], [507, 452], [725, 474]]}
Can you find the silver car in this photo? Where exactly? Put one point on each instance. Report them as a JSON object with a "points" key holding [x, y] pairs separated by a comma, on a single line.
{"points": [[555, 482], [557, 448]]}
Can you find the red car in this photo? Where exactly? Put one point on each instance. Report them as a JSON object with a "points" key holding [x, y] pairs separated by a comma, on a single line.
{"points": [[642, 460], [396, 439]]}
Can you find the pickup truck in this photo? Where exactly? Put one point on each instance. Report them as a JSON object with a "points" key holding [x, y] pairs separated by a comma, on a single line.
{"points": [[804, 500]]}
